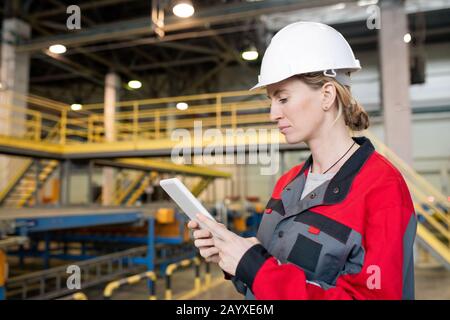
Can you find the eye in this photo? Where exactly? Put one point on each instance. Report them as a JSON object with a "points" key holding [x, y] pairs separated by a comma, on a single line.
{"points": [[283, 101]]}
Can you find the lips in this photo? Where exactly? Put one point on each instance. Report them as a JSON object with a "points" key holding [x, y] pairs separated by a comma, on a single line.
{"points": [[283, 128]]}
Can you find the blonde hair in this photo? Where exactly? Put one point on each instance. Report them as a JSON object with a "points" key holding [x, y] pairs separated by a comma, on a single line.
{"points": [[355, 116]]}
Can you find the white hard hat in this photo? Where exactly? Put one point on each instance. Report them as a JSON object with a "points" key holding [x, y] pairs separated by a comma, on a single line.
{"points": [[304, 47]]}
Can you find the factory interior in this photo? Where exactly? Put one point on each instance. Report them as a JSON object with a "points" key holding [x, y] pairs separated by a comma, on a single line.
{"points": [[95, 96]]}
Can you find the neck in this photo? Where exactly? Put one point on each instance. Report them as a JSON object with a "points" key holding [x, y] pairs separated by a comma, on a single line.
{"points": [[328, 147]]}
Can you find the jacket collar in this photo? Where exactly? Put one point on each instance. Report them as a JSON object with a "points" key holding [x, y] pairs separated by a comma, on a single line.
{"points": [[342, 180]]}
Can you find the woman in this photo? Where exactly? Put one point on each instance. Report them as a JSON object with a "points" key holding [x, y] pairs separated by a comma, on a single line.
{"points": [[341, 225]]}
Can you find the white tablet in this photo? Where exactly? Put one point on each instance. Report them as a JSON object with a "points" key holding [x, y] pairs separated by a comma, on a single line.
{"points": [[184, 199]]}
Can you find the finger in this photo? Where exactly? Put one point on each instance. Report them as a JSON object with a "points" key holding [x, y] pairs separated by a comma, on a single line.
{"points": [[212, 258], [213, 226], [209, 242], [209, 252], [219, 243], [193, 225], [201, 234]]}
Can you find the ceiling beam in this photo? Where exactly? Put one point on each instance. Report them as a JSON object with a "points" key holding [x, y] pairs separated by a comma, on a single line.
{"points": [[53, 77], [83, 6], [232, 51], [207, 75], [216, 15], [189, 47], [74, 67], [172, 63], [173, 37]]}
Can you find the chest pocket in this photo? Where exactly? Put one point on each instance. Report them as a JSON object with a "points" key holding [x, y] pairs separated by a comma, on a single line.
{"points": [[323, 247]]}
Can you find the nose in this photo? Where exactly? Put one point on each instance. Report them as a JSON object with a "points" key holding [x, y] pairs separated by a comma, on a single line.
{"points": [[275, 112]]}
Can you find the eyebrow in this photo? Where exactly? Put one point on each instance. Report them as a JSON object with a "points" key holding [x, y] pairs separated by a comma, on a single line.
{"points": [[277, 92]]}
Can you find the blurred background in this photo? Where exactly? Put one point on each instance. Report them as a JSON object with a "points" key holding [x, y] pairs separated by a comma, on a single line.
{"points": [[91, 93]]}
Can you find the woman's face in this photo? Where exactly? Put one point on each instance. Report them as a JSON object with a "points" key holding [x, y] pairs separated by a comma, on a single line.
{"points": [[296, 108]]}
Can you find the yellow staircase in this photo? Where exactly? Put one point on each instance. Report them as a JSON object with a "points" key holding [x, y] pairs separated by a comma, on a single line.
{"points": [[201, 185], [129, 191], [432, 207], [21, 188], [128, 194], [143, 184]]}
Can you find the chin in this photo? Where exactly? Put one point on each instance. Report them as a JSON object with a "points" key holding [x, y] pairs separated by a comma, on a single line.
{"points": [[293, 139]]}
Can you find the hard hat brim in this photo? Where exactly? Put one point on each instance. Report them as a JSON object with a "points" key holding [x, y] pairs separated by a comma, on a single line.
{"points": [[262, 84], [257, 86]]}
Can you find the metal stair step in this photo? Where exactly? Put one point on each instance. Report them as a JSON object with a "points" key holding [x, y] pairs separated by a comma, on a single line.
{"points": [[22, 188]]}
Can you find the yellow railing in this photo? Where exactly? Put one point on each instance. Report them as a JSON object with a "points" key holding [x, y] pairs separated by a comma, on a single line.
{"points": [[75, 296], [114, 285], [174, 266], [140, 119], [429, 203]]}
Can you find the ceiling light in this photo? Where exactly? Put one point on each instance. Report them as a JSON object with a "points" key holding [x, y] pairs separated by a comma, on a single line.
{"points": [[134, 84], [182, 106], [338, 6], [76, 107], [250, 54], [183, 8], [363, 3], [57, 48], [407, 38]]}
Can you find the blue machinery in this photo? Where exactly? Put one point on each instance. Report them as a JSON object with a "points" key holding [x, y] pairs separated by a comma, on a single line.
{"points": [[53, 224], [42, 225], [60, 228]]}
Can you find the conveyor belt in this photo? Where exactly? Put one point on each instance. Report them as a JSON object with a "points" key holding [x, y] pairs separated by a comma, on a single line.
{"points": [[24, 213], [37, 220], [7, 213], [46, 219], [12, 241]]}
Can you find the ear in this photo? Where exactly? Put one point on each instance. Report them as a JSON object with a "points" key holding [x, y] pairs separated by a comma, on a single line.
{"points": [[328, 96]]}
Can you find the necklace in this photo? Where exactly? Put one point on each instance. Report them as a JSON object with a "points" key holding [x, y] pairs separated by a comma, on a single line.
{"points": [[338, 159]]}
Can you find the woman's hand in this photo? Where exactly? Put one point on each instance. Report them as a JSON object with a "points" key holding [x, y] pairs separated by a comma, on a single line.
{"points": [[230, 247], [204, 242]]}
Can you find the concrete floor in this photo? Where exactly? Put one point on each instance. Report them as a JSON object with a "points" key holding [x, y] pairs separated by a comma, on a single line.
{"points": [[432, 282], [182, 284]]}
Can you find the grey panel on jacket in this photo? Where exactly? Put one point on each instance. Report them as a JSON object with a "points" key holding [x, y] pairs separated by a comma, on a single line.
{"points": [[323, 256], [408, 259]]}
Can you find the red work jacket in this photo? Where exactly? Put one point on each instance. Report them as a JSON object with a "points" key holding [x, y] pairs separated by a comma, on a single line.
{"points": [[350, 238]]}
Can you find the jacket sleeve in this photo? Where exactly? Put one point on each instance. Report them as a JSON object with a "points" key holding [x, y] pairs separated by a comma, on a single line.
{"points": [[388, 254], [240, 286]]}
